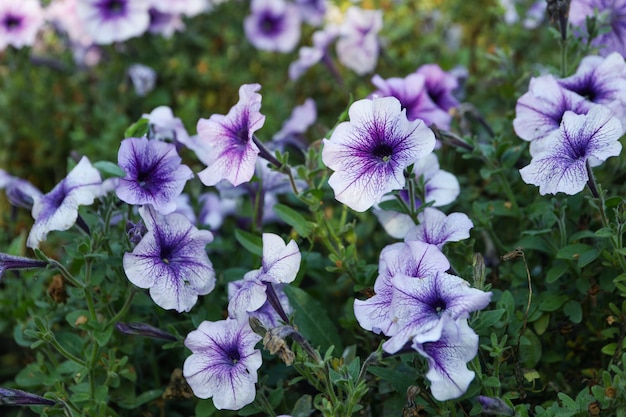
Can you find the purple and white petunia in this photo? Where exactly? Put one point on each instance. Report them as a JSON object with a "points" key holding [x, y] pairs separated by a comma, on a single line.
{"points": [[311, 55], [559, 162], [358, 44], [164, 126], [11, 262], [223, 363], [225, 143], [437, 229], [154, 174], [415, 259], [419, 305], [612, 15], [164, 24], [370, 152], [178, 7], [280, 265], [539, 111], [58, 209], [108, 21], [143, 78], [171, 261], [248, 298], [448, 357], [20, 192], [274, 25], [19, 22], [312, 11]]}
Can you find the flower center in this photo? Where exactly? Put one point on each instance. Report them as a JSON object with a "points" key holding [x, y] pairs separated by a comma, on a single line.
{"points": [[114, 7], [439, 306], [383, 152], [233, 355], [269, 24], [12, 22]]}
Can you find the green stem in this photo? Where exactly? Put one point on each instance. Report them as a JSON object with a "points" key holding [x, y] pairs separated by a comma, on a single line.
{"points": [[264, 404], [66, 274], [564, 45], [55, 343], [124, 309]]}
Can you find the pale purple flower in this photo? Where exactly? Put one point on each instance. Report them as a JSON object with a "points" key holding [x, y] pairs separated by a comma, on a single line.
{"points": [[19, 22], [108, 21], [214, 209], [311, 55], [312, 11], [358, 45], [165, 24], [440, 85], [274, 25], [223, 363], [280, 265], [495, 406], [370, 152], [143, 78], [142, 329], [601, 81], [154, 174], [419, 305], [10, 262], [58, 209], [178, 7], [65, 17], [225, 143], [612, 15], [171, 261], [448, 357], [164, 126], [301, 118], [248, 298], [414, 259], [539, 111], [20, 192], [559, 161], [437, 229]]}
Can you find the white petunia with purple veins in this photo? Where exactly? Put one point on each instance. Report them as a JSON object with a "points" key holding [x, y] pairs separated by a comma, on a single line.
{"points": [[225, 143], [171, 261], [415, 259], [448, 357], [19, 22], [437, 229], [358, 44], [274, 25], [370, 152], [154, 174], [419, 306], [108, 21], [223, 364], [280, 262], [58, 209], [559, 162]]}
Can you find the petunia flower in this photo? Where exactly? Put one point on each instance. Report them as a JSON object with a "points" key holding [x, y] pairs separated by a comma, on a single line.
{"points": [[539, 111], [20, 192], [495, 406], [436, 228], [108, 21], [10, 396], [171, 261], [448, 357], [311, 55], [58, 209], [177, 7], [154, 174], [164, 126], [164, 24], [358, 44], [248, 298], [143, 78], [301, 118], [312, 11], [10, 262], [143, 329], [65, 18], [414, 259], [612, 29], [559, 161], [19, 22], [225, 143], [223, 363], [274, 25], [370, 152], [419, 306]]}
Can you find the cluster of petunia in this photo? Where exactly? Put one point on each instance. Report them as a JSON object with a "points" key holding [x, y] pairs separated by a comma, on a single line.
{"points": [[573, 123]]}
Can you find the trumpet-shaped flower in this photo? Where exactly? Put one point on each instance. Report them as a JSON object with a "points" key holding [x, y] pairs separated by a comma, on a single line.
{"points": [[19, 22], [447, 358], [612, 17], [58, 210], [225, 143], [559, 161], [414, 259], [10, 262], [370, 152], [419, 306], [436, 228], [108, 21], [274, 25], [154, 174], [171, 261], [223, 363], [539, 112]]}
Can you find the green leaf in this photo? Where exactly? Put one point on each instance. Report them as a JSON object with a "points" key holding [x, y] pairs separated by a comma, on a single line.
{"points": [[294, 219], [254, 244], [102, 337], [541, 324], [109, 169], [400, 378], [312, 320], [491, 382], [552, 302], [587, 257], [530, 349], [556, 271], [609, 349], [573, 311], [77, 318], [573, 252], [303, 406], [205, 408], [137, 129]]}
